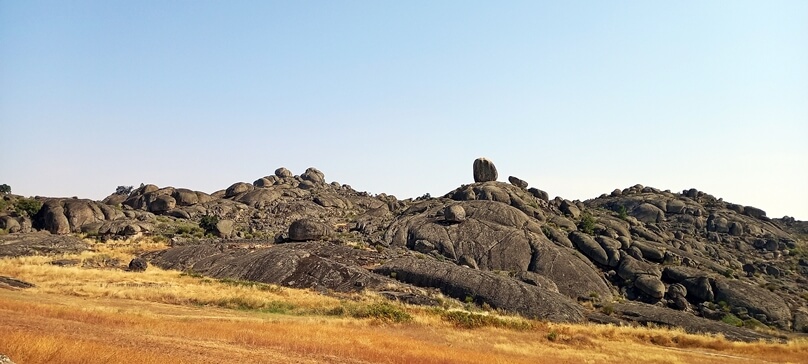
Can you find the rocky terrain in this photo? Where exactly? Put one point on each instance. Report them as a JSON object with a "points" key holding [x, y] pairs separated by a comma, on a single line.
{"points": [[635, 255]]}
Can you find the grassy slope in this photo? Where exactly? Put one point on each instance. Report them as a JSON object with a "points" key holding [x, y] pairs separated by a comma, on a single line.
{"points": [[98, 315]]}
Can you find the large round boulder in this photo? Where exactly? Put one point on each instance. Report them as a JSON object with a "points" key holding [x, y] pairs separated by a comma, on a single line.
{"points": [[308, 230], [283, 172], [313, 175], [484, 170]]}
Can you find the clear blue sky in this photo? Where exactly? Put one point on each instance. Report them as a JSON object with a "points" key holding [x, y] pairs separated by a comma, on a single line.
{"points": [[577, 98]]}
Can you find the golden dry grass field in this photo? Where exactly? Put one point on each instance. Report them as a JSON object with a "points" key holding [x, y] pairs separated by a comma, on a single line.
{"points": [[95, 313]]}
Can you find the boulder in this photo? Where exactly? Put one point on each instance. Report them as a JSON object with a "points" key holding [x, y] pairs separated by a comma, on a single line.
{"points": [[800, 320], [589, 247], [570, 209], [185, 197], [495, 235], [648, 213], [574, 275], [307, 230], [10, 224], [51, 217], [756, 300], [224, 228], [485, 288], [630, 268], [612, 249], [313, 175], [162, 203], [283, 173], [699, 289], [537, 193], [238, 188], [138, 265], [557, 236], [677, 294], [484, 170], [754, 212], [518, 182], [675, 207], [454, 214], [650, 285]]}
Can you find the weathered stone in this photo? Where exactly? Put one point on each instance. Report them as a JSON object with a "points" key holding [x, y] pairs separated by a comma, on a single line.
{"points": [[307, 230], [313, 175], [238, 188], [570, 209], [454, 214], [283, 173], [675, 207], [589, 247], [800, 320], [484, 170], [224, 228], [138, 265], [754, 212], [162, 204], [650, 285], [537, 193], [648, 213], [485, 288], [518, 182]]}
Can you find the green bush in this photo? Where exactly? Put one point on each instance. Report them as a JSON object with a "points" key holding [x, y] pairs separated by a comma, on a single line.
{"points": [[381, 311], [587, 224], [467, 320], [5, 189], [208, 223], [27, 206]]}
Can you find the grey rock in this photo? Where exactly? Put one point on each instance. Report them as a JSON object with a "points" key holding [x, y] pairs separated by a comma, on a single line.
{"points": [[313, 175], [238, 188], [484, 170], [648, 213], [307, 230], [518, 182], [589, 247], [755, 212], [283, 173], [224, 228], [537, 193], [650, 285], [755, 299], [800, 320], [570, 209], [454, 214], [485, 287]]}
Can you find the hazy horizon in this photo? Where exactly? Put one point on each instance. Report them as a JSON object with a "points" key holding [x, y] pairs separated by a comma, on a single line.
{"points": [[577, 98]]}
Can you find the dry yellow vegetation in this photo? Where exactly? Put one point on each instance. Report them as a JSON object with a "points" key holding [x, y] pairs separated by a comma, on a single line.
{"points": [[94, 312]]}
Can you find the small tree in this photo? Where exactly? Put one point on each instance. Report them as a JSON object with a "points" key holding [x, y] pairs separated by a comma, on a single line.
{"points": [[208, 223], [5, 189], [123, 190], [27, 206]]}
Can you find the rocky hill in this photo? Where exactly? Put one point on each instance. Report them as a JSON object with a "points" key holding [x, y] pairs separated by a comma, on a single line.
{"points": [[636, 255]]}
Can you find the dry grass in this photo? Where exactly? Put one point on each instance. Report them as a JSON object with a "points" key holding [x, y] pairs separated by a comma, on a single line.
{"points": [[106, 315]]}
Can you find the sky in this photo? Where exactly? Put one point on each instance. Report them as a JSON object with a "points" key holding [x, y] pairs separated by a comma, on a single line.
{"points": [[576, 97]]}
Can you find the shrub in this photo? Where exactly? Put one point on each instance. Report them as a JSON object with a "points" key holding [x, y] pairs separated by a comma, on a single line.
{"points": [[381, 311], [621, 212], [731, 319], [467, 320], [587, 224], [27, 206], [123, 190], [552, 336], [208, 223], [5, 189]]}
